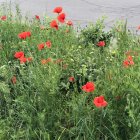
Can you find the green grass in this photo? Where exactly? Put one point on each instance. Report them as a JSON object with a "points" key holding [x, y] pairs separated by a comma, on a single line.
{"points": [[44, 105]]}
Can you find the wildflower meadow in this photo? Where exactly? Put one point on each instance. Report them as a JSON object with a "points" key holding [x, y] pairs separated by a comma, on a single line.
{"points": [[57, 83]]}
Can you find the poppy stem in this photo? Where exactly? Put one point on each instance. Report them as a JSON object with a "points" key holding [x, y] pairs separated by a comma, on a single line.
{"points": [[100, 127]]}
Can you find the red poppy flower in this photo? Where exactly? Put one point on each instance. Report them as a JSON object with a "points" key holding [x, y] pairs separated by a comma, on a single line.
{"points": [[100, 101], [88, 87], [61, 17], [58, 10], [24, 35], [54, 24], [37, 17], [22, 60], [41, 46], [45, 61], [130, 58], [129, 61], [48, 60], [71, 79], [3, 17], [14, 79], [125, 63], [19, 54], [69, 23], [101, 44], [28, 34], [48, 44]]}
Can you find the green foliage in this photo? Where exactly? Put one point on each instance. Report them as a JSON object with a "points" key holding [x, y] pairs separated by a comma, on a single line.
{"points": [[42, 104], [94, 33], [4, 73]]}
